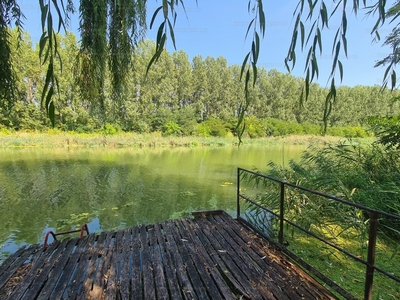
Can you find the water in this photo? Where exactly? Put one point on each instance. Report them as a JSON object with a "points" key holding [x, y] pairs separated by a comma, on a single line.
{"points": [[47, 189]]}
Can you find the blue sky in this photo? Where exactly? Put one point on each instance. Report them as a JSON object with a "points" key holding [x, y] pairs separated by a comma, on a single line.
{"points": [[218, 27]]}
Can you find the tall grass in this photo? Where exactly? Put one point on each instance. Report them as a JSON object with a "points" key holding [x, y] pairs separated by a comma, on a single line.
{"points": [[59, 139], [365, 174]]}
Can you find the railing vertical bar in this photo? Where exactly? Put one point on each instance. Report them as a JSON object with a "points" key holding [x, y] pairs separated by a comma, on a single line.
{"points": [[238, 195], [281, 213], [373, 227]]}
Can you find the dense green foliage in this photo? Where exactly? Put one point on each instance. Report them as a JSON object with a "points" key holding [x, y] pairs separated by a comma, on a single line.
{"points": [[110, 30], [182, 97], [368, 175], [364, 174]]}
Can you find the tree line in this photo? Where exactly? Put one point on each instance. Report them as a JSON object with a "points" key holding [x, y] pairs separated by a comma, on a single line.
{"points": [[178, 96]]}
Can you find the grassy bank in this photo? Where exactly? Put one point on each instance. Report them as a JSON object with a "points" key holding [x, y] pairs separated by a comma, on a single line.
{"points": [[124, 140]]}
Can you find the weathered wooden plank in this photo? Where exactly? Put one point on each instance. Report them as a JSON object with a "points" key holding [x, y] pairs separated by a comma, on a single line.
{"points": [[137, 281], [184, 282], [103, 258], [241, 267], [245, 263], [210, 257], [188, 242], [202, 213], [87, 285], [208, 263], [148, 279], [277, 266], [191, 270], [57, 271], [158, 268], [230, 263], [126, 267], [258, 256], [271, 263], [170, 270], [42, 278], [111, 288], [36, 268], [13, 263], [69, 269], [80, 273], [11, 259], [219, 264]]}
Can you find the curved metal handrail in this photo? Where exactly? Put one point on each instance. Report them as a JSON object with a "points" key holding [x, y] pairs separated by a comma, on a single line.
{"points": [[84, 228]]}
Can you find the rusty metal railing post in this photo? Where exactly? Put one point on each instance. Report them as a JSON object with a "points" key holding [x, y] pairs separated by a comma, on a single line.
{"points": [[369, 276], [238, 195], [281, 213]]}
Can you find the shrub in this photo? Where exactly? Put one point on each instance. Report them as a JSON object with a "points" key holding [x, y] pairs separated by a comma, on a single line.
{"points": [[172, 128], [217, 127], [203, 129], [367, 175], [254, 128], [111, 129]]}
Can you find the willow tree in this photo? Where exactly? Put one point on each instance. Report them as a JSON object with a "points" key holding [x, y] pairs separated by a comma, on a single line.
{"points": [[110, 29], [9, 12]]}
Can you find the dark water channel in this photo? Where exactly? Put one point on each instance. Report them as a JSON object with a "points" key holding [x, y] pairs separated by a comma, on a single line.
{"points": [[42, 189]]}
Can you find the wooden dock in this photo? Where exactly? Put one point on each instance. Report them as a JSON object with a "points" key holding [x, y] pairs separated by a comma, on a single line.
{"points": [[209, 257]]}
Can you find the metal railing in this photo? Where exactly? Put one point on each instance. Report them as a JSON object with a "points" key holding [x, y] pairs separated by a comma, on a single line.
{"points": [[372, 215], [84, 228]]}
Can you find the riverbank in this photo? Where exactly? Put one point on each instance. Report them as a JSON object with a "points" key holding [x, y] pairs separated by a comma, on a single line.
{"points": [[134, 140]]}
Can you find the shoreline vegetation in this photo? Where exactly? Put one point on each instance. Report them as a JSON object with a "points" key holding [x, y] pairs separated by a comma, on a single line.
{"points": [[134, 140]]}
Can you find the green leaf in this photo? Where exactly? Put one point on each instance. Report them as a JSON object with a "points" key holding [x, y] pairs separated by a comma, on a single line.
{"points": [[154, 16], [340, 70], [311, 31], [261, 18], [344, 40], [248, 28], [344, 23], [324, 15], [60, 15], [49, 25], [42, 43], [308, 59], [393, 77], [160, 34], [165, 9], [244, 64], [307, 84], [44, 11], [171, 32], [314, 67], [319, 40], [335, 40], [51, 110], [157, 54], [302, 34], [254, 73]]}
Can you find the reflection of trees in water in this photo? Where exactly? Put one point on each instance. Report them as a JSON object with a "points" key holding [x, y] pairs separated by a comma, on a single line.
{"points": [[37, 194]]}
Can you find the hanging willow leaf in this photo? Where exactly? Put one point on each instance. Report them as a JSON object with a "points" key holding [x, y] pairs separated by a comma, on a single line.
{"points": [[244, 64], [302, 34], [168, 8], [393, 78], [250, 61], [154, 16], [48, 50], [9, 12], [324, 15], [340, 70]]}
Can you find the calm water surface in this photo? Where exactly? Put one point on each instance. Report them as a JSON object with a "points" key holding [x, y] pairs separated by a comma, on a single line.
{"points": [[42, 189]]}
